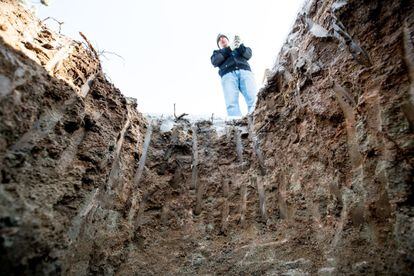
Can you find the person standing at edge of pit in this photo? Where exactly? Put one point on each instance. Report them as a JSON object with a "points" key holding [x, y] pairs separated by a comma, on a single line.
{"points": [[235, 73]]}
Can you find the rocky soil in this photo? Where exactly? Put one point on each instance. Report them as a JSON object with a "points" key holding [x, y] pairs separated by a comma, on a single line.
{"points": [[318, 181]]}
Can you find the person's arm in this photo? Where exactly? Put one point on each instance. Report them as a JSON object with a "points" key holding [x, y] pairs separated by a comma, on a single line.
{"points": [[219, 56], [244, 51]]}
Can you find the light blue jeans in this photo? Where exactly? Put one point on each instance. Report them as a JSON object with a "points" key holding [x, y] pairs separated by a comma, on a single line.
{"points": [[235, 82]]}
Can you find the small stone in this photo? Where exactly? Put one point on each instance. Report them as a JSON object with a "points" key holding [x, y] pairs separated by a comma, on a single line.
{"points": [[198, 260]]}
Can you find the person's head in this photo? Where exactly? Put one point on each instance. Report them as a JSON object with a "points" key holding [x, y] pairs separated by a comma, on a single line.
{"points": [[222, 41]]}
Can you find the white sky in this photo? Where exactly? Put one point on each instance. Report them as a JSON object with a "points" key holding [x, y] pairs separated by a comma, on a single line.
{"points": [[167, 44]]}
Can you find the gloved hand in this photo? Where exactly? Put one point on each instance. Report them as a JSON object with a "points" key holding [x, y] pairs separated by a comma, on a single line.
{"points": [[235, 43]]}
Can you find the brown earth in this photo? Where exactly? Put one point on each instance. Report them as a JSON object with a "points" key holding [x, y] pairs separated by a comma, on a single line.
{"points": [[317, 181]]}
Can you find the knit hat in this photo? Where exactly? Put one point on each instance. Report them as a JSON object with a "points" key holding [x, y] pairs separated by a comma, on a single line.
{"points": [[218, 38]]}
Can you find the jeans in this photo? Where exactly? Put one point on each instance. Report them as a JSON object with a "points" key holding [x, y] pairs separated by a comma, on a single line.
{"points": [[235, 82]]}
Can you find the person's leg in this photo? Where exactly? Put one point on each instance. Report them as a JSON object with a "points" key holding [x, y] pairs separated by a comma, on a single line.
{"points": [[248, 89], [231, 94]]}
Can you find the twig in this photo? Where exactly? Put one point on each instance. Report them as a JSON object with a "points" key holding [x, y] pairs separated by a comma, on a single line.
{"points": [[89, 45], [57, 21], [179, 117], [103, 52]]}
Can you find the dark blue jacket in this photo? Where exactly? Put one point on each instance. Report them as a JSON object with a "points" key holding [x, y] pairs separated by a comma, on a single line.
{"points": [[229, 61]]}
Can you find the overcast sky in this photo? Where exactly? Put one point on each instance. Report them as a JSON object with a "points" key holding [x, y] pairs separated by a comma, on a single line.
{"points": [[166, 45]]}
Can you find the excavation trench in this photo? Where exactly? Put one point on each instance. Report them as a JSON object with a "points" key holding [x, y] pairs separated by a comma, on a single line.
{"points": [[318, 180]]}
